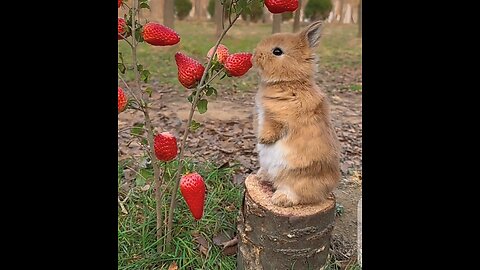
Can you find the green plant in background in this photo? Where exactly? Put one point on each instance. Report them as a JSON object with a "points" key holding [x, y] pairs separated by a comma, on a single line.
{"points": [[182, 8], [255, 12], [211, 7], [318, 9], [287, 16]]}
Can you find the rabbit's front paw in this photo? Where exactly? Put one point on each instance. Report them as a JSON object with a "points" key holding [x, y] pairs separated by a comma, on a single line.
{"points": [[267, 138], [284, 199]]}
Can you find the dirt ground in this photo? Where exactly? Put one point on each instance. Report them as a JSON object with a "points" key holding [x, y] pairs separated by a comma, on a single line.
{"points": [[226, 135]]}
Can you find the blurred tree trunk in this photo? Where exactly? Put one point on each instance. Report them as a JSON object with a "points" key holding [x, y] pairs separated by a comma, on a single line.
{"points": [[218, 17], [277, 20], [340, 20], [266, 15], [360, 19], [296, 17], [198, 7], [168, 13]]}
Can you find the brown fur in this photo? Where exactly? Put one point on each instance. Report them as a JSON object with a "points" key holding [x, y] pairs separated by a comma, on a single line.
{"points": [[296, 122]]}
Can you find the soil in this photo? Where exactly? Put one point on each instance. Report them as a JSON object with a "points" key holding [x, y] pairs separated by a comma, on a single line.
{"points": [[226, 137]]}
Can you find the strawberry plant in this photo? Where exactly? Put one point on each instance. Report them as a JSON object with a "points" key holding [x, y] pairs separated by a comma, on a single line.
{"points": [[193, 75]]}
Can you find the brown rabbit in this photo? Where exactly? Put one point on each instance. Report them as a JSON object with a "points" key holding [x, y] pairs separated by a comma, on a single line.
{"points": [[297, 146]]}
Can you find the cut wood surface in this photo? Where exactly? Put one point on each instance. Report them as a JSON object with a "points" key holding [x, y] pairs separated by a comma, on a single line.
{"points": [[273, 237]]}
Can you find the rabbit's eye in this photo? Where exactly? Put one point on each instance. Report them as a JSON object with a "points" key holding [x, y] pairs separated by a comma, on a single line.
{"points": [[277, 51]]}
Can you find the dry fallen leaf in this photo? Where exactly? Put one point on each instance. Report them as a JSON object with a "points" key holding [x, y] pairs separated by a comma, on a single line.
{"points": [[238, 179], [229, 251], [202, 242], [230, 243], [231, 208], [220, 238], [173, 266]]}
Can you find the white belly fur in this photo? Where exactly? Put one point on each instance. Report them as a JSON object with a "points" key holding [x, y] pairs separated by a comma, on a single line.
{"points": [[272, 157]]}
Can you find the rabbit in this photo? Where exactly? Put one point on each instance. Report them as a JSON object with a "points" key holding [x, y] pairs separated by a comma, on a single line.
{"points": [[297, 146]]}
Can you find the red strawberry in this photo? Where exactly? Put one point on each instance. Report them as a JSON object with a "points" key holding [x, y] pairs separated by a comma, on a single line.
{"points": [[119, 3], [159, 35], [279, 6], [238, 64], [122, 100], [221, 53], [122, 28], [192, 188], [190, 71], [165, 145]]}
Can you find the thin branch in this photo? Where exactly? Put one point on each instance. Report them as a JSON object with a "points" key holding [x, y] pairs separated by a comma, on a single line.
{"points": [[131, 92], [150, 135], [125, 38], [230, 12], [223, 16], [211, 79], [173, 200]]}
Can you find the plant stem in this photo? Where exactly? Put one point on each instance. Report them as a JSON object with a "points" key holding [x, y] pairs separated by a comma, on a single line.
{"points": [[150, 135], [173, 201], [131, 91]]}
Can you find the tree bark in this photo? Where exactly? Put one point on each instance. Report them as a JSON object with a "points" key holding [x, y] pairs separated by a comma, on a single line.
{"points": [[218, 18], [360, 20], [196, 6], [200, 10], [340, 20], [296, 17], [156, 11], [277, 20], [168, 14], [266, 15], [272, 237]]}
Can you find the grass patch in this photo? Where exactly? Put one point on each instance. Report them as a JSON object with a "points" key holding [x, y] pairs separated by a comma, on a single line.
{"points": [[356, 87], [339, 48], [136, 230]]}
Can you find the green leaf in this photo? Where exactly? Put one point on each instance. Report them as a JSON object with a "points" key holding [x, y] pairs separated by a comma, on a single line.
{"points": [[202, 106], [140, 181], [137, 129], [144, 141], [190, 98], [144, 5], [223, 76], [140, 68], [339, 209], [210, 90], [120, 55], [194, 125], [145, 75], [149, 91], [121, 68], [138, 34], [143, 176]]}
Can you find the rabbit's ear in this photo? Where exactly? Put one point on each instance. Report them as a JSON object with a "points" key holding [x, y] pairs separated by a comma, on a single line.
{"points": [[312, 33]]}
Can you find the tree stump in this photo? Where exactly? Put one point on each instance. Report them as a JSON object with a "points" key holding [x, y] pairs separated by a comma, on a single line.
{"points": [[276, 238]]}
